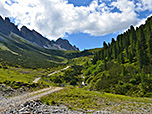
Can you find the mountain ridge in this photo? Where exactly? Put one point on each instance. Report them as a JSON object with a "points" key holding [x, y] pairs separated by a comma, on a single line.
{"points": [[7, 27]]}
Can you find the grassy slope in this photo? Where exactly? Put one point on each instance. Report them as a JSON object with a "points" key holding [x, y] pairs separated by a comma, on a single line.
{"points": [[77, 99], [20, 74]]}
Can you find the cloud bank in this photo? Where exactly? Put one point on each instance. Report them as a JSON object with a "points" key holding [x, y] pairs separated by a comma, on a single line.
{"points": [[56, 18]]}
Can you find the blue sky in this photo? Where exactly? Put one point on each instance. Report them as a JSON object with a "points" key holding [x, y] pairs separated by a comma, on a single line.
{"points": [[86, 41], [85, 23]]}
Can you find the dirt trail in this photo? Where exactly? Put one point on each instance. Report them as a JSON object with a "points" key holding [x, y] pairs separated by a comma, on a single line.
{"points": [[14, 101], [37, 79]]}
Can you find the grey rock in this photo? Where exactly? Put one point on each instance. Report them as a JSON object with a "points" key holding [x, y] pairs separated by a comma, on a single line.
{"points": [[6, 27], [63, 43]]}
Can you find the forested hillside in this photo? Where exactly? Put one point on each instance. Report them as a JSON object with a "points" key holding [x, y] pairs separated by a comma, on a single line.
{"points": [[124, 65]]}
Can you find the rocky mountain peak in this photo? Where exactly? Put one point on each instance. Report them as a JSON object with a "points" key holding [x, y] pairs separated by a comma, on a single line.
{"points": [[60, 40], [7, 20], [65, 44], [7, 27]]}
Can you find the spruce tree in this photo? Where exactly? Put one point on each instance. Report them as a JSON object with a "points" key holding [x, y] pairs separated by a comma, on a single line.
{"points": [[121, 58], [114, 51], [149, 40], [105, 64], [133, 40], [95, 58], [142, 47], [113, 41], [139, 55], [102, 54], [141, 38], [105, 46], [130, 58]]}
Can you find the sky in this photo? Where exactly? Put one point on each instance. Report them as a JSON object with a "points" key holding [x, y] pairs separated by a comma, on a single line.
{"points": [[85, 23]]}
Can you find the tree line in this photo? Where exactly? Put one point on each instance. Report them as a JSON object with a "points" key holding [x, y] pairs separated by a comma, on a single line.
{"points": [[135, 44]]}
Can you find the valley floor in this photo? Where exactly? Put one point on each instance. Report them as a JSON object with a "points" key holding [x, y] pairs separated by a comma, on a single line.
{"points": [[29, 103], [7, 102], [71, 100]]}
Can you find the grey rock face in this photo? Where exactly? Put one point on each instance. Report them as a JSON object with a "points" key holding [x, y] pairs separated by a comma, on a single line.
{"points": [[6, 27], [35, 37], [65, 44]]}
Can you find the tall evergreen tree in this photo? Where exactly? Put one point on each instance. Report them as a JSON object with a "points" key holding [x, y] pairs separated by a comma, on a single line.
{"points": [[105, 46], [141, 38], [118, 48], [102, 54], [95, 58], [149, 40], [142, 48], [114, 51], [121, 58], [113, 41], [105, 64], [133, 40], [139, 55], [130, 57]]}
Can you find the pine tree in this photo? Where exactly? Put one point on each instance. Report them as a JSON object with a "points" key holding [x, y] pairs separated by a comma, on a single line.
{"points": [[108, 54], [105, 46], [142, 48], [133, 40], [149, 40], [95, 59], [118, 48], [139, 55], [114, 51], [121, 58], [130, 58], [113, 41], [102, 54], [141, 38], [105, 64]]}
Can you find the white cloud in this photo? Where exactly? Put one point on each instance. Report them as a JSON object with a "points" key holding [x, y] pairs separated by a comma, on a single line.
{"points": [[3, 11], [55, 18], [142, 21], [143, 5], [147, 4]]}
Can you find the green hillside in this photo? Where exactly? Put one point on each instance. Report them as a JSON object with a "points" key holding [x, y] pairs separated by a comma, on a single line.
{"points": [[15, 51], [124, 65]]}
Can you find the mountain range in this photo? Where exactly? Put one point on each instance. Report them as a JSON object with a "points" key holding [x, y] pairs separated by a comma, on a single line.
{"points": [[29, 49], [8, 28]]}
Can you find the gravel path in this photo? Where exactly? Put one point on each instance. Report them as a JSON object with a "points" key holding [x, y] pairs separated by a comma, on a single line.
{"points": [[37, 79], [7, 103], [58, 71]]}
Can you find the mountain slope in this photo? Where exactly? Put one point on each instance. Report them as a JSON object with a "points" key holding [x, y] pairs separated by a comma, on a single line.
{"points": [[16, 51]]}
